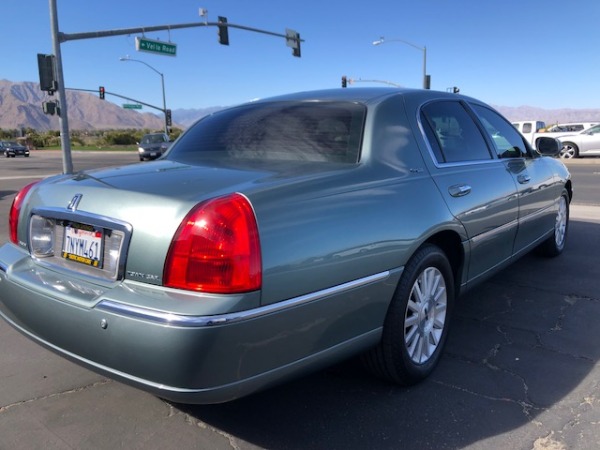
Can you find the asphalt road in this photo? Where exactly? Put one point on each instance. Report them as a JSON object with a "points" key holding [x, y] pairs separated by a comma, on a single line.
{"points": [[520, 372]]}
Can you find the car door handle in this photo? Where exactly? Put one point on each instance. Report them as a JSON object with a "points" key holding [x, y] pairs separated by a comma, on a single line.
{"points": [[459, 190], [523, 179]]}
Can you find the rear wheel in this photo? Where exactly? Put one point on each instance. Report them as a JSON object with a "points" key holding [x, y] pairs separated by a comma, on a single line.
{"points": [[555, 244], [569, 151], [417, 321]]}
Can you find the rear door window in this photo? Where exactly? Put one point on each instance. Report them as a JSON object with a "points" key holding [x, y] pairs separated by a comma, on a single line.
{"points": [[452, 133]]}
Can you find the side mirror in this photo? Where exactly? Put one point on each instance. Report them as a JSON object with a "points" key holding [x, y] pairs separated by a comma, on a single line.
{"points": [[548, 146]]}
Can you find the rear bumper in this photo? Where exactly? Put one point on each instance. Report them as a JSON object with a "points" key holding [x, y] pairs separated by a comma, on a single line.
{"points": [[197, 359]]}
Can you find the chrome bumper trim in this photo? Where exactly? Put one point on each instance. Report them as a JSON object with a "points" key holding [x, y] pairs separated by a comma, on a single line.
{"points": [[178, 320]]}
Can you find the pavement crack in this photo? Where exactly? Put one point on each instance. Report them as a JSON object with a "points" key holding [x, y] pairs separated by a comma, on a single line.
{"points": [[191, 420], [5, 408], [526, 406]]}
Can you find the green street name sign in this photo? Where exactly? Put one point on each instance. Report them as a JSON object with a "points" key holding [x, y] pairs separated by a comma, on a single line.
{"points": [[148, 45], [132, 106]]}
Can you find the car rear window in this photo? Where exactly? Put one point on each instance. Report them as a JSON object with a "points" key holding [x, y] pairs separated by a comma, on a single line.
{"points": [[293, 131]]}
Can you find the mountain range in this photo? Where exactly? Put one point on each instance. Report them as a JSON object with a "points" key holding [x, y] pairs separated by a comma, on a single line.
{"points": [[21, 107]]}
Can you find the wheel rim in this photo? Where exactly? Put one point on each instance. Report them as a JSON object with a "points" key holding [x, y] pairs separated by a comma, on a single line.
{"points": [[560, 226], [568, 152], [425, 315]]}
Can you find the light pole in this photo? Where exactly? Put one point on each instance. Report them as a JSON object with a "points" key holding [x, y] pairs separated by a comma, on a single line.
{"points": [[426, 83], [162, 81]]}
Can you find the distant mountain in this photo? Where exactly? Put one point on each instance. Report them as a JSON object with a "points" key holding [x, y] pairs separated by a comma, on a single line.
{"points": [[186, 117], [21, 107], [550, 116]]}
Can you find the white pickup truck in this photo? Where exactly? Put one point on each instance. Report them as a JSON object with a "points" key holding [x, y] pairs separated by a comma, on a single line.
{"points": [[531, 129]]}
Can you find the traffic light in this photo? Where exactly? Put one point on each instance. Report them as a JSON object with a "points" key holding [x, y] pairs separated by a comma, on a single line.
{"points": [[168, 120], [344, 81], [223, 31], [46, 66], [49, 108], [292, 40], [455, 90], [101, 92]]}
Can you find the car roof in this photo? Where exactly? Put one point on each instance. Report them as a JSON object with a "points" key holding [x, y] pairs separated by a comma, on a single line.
{"points": [[365, 95]]}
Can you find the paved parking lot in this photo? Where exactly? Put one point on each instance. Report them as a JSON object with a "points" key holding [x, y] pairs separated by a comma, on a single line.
{"points": [[521, 372]]}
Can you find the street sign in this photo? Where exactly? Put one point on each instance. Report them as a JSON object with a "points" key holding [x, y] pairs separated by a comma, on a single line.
{"points": [[148, 45], [132, 106]]}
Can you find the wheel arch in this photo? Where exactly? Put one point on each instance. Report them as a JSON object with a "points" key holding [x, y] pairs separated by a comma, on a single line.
{"points": [[569, 188], [450, 243]]}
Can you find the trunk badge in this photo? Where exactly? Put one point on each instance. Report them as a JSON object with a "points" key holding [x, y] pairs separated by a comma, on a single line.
{"points": [[74, 202]]}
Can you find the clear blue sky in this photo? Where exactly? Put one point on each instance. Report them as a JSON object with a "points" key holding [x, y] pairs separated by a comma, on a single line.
{"points": [[507, 53]]}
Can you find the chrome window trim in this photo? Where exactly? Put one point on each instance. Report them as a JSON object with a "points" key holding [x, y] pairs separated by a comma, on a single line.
{"points": [[179, 320]]}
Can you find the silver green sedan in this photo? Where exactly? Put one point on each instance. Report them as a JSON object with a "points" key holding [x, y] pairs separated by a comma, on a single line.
{"points": [[280, 236]]}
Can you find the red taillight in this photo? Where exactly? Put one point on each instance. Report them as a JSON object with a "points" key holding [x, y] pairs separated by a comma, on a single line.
{"points": [[15, 210], [216, 248]]}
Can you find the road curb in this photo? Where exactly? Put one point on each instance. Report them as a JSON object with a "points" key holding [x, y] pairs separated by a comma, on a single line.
{"points": [[585, 212]]}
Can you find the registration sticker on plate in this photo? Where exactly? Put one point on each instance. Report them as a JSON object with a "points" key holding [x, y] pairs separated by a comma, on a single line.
{"points": [[83, 244]]}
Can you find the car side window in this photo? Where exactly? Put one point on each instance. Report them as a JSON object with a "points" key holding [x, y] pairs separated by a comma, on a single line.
{"points": [[593, 130], [507, 142], [452, 133]]}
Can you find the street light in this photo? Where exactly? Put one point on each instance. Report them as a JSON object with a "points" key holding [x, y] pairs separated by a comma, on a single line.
{"points": [[162, 81], [426, 83]]}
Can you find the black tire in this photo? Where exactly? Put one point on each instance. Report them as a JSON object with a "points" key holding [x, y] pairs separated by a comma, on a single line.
{"points": [[555, 244], [415, 329], [569, 150]]}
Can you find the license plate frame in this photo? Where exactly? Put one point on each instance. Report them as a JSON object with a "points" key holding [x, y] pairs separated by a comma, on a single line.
{"points": [[83, 244]]}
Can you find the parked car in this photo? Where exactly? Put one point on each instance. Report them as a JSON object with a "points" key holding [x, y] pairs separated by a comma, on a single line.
{"points": [[573, 127], [12, 149], [276, 237], [584, 143], [153, 145], [532, 130]]}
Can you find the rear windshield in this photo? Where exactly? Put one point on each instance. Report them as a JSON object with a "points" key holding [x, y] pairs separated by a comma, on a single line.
{"points": [[292, 131]]}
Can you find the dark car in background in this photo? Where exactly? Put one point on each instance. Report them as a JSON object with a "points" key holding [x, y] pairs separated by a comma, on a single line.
{"points": [[12, 149], [153, 145], [280, 236]]}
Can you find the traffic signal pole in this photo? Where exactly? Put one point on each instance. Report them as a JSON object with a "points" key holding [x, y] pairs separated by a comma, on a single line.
{"points": [[292, 40], [65, 140]]}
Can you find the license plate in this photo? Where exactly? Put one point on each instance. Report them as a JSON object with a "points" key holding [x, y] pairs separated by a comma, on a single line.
{"points": [[83, 244]]}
